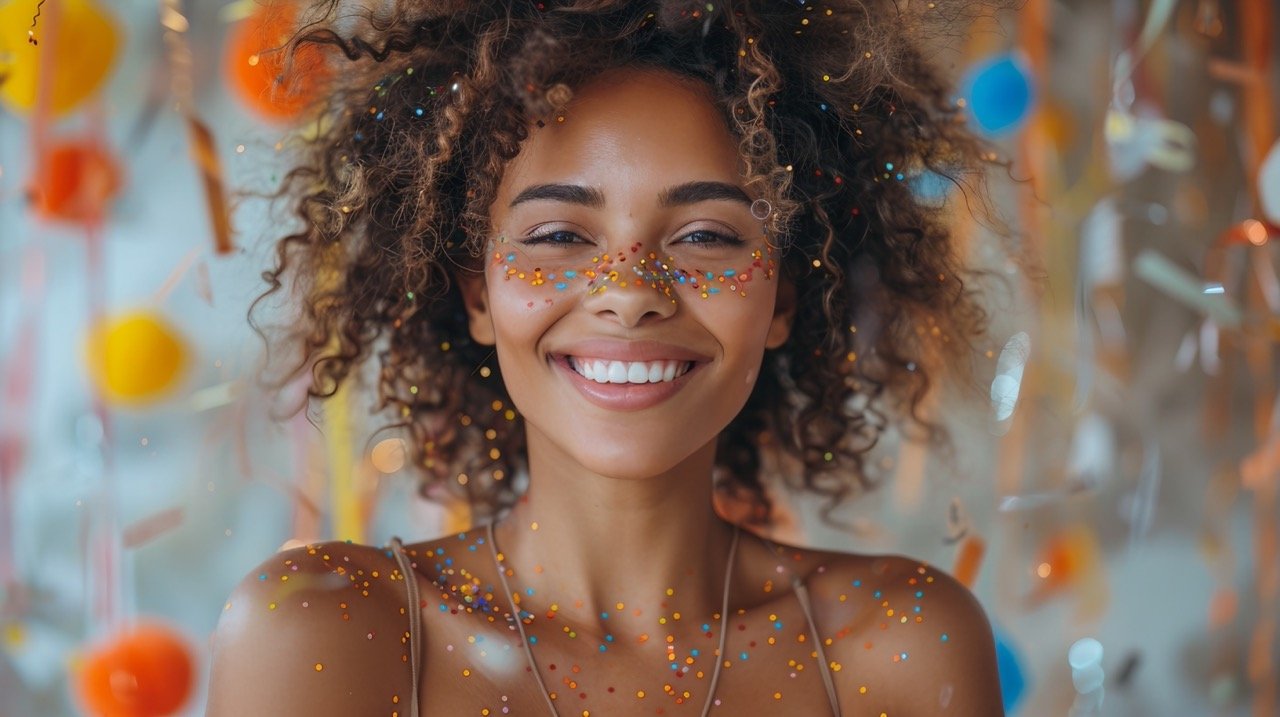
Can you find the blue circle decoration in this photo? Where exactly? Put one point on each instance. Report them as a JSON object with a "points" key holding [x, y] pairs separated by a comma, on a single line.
{"points": [[1013, 683], [999, 93]]}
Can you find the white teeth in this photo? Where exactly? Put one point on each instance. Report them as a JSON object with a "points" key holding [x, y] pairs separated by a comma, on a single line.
{"points": [[602, 371], [656, 370], [617, 372]]}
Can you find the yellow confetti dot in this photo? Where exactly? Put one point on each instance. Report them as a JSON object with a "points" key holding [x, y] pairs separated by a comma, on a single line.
{"points": [[466, 672], [777, 695], [319, 667], [640, 694], [862, 690]]}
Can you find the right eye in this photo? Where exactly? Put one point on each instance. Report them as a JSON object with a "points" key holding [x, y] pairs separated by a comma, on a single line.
{"points": [[559, 237]]}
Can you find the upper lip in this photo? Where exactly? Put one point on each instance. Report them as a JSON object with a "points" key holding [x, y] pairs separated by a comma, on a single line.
{"points": [[620, 350]]}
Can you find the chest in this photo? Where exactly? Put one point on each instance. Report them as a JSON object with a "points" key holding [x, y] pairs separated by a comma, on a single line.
{"points": [[475, 663]]}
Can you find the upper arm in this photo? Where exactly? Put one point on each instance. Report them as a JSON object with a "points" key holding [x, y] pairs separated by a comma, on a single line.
{"points": [[318, 630], [917, 641]]}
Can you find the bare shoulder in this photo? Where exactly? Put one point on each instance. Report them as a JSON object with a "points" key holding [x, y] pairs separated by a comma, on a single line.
{"points": [[902, 636], [316, 630]]}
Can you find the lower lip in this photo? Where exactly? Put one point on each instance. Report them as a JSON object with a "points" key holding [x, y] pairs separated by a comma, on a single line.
{"points": [[624, 396]]}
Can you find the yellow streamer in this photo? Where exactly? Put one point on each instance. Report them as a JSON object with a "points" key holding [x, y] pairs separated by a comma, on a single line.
{"points": [[344, 499]]}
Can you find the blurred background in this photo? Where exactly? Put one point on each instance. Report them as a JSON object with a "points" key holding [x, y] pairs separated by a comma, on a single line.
{"points": [[1112, 500]]}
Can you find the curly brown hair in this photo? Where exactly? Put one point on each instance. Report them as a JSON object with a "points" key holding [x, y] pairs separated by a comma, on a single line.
{"points": [[834, 104]]}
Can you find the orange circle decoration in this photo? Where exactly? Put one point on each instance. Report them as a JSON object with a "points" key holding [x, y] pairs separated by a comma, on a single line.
{"points": [[144, 671], [136, 358], [84, 51], [74, 180], [255, 62]]}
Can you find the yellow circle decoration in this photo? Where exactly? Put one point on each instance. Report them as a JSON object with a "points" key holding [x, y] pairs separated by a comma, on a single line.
{"points": [[136, 358], [84, 51]]}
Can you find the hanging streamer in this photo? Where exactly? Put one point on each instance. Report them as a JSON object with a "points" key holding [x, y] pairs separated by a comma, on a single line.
{"points": [[201, 144]]}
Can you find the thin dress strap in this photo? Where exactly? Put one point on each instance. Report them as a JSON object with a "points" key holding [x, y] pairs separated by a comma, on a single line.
{"points": [[415, 621], [802, 594]]}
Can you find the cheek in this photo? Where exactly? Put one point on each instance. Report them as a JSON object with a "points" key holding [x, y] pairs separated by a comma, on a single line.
{"points": [[518, 298], [740, 324]]}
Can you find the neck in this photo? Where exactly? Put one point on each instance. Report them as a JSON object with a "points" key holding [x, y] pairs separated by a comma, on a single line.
{"points": [[585, 542]]}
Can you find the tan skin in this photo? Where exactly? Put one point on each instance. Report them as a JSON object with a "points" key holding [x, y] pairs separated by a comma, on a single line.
{"points": [[622, 499]]}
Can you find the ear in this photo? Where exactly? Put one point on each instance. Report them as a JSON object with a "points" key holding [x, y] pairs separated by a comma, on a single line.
{"points": [[784, 313], [475, 296]]}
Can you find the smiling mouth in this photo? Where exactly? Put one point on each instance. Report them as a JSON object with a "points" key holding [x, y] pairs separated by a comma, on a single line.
{"points": [[632, 372]]}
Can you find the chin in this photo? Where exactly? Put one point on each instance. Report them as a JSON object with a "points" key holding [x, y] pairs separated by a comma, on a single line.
{"points": [[634, 462]]}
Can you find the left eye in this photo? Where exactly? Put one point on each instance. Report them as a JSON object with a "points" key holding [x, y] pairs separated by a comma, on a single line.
{"points": [[705, 237]]}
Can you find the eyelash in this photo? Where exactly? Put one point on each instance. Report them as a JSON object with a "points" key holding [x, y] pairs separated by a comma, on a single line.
{"points": [[717, 238]]}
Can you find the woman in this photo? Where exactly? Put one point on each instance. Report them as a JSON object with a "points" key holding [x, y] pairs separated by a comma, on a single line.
{"points": [[679, 229]]}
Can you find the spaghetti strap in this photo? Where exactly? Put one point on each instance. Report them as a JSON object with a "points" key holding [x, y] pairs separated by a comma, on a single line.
{"points": [[802, 594], [415, 621]]}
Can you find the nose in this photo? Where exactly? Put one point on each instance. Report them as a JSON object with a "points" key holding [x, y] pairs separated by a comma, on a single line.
{"points": [[630, 298]]}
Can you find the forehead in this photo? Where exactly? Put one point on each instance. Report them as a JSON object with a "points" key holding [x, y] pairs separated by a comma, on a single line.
{"points": [[632, 126]]}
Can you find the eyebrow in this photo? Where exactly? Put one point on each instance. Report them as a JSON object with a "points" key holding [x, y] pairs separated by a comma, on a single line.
{"points": [[694, 192], [681, 194]]}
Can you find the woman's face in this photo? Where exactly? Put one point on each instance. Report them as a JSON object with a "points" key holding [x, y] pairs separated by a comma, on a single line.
{"points": [[628, 287]]}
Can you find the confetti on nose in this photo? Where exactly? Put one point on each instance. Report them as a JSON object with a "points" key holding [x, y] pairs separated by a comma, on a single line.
{"points": [[660, 274]]}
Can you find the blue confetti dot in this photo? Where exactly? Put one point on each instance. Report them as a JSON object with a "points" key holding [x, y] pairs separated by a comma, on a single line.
{"points": [[262, 576]]}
